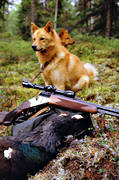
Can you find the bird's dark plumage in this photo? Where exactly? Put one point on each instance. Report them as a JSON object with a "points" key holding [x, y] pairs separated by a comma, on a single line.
{"points": [[31, 151]]}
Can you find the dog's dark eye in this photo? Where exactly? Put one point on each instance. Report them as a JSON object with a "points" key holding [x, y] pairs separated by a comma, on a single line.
{"points": [[34, 39], [42, 38]]}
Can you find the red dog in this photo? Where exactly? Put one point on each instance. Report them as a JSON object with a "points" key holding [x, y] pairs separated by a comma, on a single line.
{"points": [[59, 67]]}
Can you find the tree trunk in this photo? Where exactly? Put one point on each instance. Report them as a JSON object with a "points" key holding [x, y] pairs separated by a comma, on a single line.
{"points": [[89, 4], [88, 19], [108, 4], [56, 12], [83, 5], [33, 11]]}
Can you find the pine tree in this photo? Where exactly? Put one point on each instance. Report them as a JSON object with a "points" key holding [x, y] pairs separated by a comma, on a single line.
{"points": [[98, 16]]}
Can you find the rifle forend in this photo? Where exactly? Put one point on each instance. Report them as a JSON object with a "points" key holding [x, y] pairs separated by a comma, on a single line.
{"points": [[71, 104]]}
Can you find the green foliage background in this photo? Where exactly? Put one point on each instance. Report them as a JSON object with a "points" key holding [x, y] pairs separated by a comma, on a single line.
{"points": [[72, 15]]}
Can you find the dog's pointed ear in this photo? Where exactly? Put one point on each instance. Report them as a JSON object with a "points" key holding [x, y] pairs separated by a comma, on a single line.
{"points": [[49, 27], [61, 33], [33, 28]]}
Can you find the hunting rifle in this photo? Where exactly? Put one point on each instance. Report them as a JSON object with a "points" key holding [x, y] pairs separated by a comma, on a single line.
{"points": [[50, 96]]}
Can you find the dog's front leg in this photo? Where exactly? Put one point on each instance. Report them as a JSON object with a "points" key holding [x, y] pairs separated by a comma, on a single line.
{"points": [[59, 81], [61, 86], [46, 80], [57, 86], [47, 83]]}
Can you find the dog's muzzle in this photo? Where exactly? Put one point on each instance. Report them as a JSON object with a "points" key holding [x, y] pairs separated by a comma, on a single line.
{"points": [[34, 47]]}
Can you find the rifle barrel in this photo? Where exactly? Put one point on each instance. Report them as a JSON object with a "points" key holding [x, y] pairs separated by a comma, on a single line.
{"points": [[104, 110], [108, 113]]}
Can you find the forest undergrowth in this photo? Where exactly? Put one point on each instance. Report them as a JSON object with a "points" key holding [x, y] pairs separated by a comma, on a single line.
{"points": [[92, 157]]}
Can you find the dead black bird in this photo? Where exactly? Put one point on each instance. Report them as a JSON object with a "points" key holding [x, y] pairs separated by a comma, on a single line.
{"points": [[31, 151]]}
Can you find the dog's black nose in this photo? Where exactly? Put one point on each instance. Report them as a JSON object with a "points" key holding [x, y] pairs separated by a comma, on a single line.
{"points": [[34, 47]]}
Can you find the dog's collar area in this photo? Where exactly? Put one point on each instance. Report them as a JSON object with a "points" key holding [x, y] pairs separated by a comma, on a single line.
{"points": [[44, 66], [47, 63]]}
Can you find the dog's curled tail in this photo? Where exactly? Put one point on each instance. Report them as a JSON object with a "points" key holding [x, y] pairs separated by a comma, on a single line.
{"points": [[92, 71]]}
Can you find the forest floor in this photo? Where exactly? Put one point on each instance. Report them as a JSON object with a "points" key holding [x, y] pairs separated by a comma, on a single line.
{"points": [[92, 157]]}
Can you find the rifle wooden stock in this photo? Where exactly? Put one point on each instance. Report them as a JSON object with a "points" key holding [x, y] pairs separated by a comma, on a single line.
{"points": [[71, 104], [10, 116]]}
